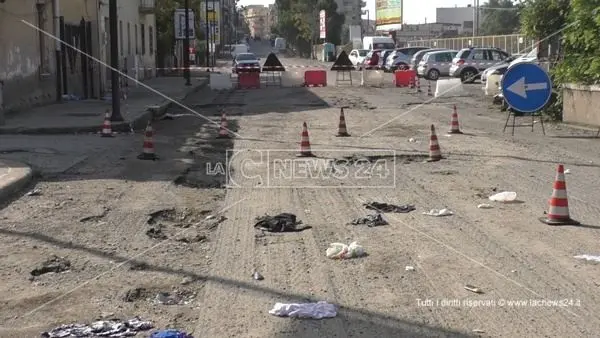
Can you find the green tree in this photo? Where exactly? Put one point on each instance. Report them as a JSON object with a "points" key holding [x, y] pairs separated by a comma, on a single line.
{"points": [[502, 17], [543, 18]]}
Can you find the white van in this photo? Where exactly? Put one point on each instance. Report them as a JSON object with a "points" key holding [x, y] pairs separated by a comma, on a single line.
{"points": [[238, 49], [378, 42], [279, 44]]}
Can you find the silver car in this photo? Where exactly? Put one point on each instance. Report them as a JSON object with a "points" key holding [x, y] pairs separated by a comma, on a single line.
{"points": [[436, 64]]}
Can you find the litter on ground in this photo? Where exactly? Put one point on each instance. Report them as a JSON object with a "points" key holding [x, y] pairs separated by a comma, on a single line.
{"points": [[170, 333], [257, 276], [284, 222], [473, 288], [370, 220], [318, 310], [343, 251], [409, 268], [108, 328], [385, 207], [505, 196], [438, 213], [589, 258], [485, 206]]}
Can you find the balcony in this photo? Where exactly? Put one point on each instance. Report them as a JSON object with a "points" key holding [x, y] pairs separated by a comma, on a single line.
{"points": [[146, 6]]}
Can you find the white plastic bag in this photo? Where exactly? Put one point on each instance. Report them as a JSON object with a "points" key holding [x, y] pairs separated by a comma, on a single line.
{"points": [[343, 251], [438, 213], [505, 196]]}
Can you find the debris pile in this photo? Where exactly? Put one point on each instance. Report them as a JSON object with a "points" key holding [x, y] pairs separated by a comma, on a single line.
{"points": [[103, 328], [372, 220], [284, 222], [385, 207], [53, 264], [318, 310]]}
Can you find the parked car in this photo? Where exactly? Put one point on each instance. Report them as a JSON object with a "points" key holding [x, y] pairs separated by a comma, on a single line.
{"points": [[357, 56], [400, 58], [367, 63], [418, 56], [383, 57], [246, 62], [501, 67], [436, 64], [470, 62]]}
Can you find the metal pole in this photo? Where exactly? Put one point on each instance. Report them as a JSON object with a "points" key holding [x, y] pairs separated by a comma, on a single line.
{"points": [[56, 10], [114, 62], [186, 45], [477, 7], [207, 34]]}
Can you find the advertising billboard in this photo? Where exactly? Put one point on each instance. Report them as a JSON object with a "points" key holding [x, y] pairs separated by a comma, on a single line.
{"points": [[322, 24], [388, 15]]}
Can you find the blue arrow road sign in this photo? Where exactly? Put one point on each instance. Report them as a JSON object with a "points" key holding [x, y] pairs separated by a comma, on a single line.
{"points": [[526, 87]]}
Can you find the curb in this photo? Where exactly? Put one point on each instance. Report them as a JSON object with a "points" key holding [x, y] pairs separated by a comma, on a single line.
{"points": [[139, 122], [15, 184]]}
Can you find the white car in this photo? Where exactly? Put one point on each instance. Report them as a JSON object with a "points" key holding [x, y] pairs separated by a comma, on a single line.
{"points": [[357, 56]]}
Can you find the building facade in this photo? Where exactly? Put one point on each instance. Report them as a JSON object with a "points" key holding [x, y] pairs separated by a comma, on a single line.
{"points": [[352, 10], [425, 31], [28, 58], [463, 16], [257, 18]]}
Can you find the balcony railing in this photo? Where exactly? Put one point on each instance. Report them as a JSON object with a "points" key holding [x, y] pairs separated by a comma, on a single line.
{"points": [[146, 6]]}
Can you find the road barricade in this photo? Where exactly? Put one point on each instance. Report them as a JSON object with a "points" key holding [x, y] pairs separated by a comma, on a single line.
{"points": [[292, 78], [449, 87], [373, 78], [218, 81], [492, 85], [250, 80], [403, 78], [315, 78]]}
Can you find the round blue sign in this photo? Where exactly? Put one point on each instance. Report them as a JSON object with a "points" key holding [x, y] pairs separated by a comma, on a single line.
{"points": [[526, 87]]}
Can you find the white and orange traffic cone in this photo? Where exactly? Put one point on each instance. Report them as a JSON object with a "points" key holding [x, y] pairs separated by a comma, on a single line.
{"points": [[305, 143], [106, 126], [454, 127], [411, 83], [435, 154], [429, 93], [418, 84], [558, 213], [148, 147], [223, 127], [342, 131]]}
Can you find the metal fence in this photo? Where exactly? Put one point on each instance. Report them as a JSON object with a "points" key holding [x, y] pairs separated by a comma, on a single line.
{"points": [[513, 44]]}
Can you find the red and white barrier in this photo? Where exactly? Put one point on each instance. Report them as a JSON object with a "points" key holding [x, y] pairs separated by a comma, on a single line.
{"points": [[315, 78]]}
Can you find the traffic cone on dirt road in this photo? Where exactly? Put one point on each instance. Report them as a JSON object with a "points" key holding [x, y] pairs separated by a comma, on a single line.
{"points": [[223, 127], [454, 127], [411, 83], [418, 84], [435, 154], [342, 131], [305, 143], [106, 126], [558, 213], [429, 93], [148, 147]]}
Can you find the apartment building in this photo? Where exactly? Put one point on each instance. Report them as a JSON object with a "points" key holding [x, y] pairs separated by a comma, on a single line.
{"points": [[257, 18], [459, 15], [28, 67]]}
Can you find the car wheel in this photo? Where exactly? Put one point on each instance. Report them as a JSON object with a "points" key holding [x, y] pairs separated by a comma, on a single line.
{"points": [[467, 76], [433, 74]]}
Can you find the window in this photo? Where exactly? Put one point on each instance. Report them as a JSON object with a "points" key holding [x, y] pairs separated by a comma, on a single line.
{"points": [[150, 40], [143, 35], [128, 38], [463, 54], [443, 57], [480, 54], [121, 37], [497, 56], [137, 42]]}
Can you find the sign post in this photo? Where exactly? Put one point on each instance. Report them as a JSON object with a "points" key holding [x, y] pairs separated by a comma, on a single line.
{"points": [[180, 24], [322, 24], [526, 88]]}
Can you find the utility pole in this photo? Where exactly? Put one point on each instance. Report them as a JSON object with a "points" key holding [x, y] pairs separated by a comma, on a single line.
{"points": [[207, 34], [186, 45], [114, 62]]}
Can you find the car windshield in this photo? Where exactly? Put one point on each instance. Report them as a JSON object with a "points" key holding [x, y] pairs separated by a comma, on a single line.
{"points": [[246, 57], [363, 52]]}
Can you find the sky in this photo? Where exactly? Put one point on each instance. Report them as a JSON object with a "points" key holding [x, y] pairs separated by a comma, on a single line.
{"points": [[414, 10]]}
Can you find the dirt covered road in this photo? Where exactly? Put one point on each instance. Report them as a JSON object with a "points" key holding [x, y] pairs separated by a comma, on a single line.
{"points": [[505, 251]]}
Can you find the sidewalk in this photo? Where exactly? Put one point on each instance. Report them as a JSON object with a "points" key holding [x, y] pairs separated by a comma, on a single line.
{"points": [[88, 115], [14, 176]]}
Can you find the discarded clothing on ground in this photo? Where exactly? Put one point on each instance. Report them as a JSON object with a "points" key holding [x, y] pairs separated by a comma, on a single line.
{"points": [[318, 310], [103, 328], [372, 220], [284, 222], [343, 251], [170, 333], [385, 207]]}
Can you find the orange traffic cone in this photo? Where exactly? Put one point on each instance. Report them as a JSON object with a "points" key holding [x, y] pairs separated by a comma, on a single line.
{"points": [[435, 154], [148, 148], [429, 88], [411, 83], [454, 127], [106, 126], [418, 84], [305, 143], [342, 131], [223, 128], [558, 203]]}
